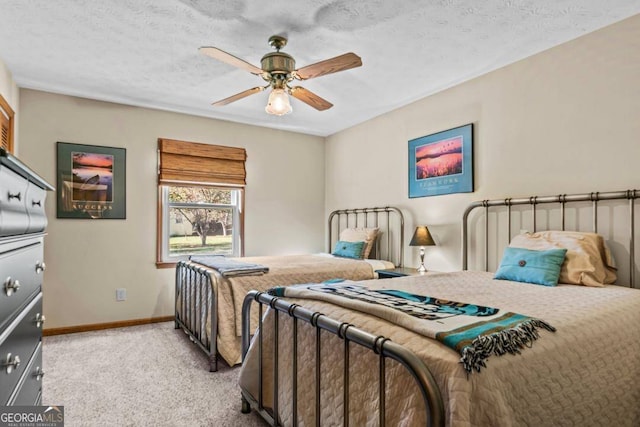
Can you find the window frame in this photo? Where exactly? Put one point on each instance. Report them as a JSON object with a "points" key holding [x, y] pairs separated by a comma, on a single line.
{"points": [[7, 119], [162, 256]]}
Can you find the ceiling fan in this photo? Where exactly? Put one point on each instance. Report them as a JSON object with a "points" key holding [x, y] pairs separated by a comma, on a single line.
{"points": [[278, 70]]}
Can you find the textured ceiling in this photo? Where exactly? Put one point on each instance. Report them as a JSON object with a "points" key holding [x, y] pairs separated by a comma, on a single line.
{"points": [[145, 52]]}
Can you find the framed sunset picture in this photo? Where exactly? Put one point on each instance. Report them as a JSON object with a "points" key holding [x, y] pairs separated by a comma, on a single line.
{"points": [[441, 163], [91, 181]]}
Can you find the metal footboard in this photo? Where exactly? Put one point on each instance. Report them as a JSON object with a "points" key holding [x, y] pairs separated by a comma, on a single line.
{"points": [[350, 335], [194, 305]]}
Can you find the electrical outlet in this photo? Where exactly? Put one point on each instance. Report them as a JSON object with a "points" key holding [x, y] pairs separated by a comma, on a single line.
{"points": [[121, 294]]}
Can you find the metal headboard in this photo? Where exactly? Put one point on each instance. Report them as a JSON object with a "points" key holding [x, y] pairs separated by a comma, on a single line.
{"points": [[390, 221], [560, 200]]}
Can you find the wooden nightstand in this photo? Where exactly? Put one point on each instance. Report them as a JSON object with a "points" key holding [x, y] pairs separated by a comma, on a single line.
{"points": [[398, 272]]}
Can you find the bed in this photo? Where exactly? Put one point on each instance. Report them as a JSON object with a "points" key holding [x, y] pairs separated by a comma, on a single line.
{"points": [[208, 306], [585, 373]]}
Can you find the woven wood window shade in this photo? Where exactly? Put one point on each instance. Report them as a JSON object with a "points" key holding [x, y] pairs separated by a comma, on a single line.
{"points": [[182, 162], [6, 125]]}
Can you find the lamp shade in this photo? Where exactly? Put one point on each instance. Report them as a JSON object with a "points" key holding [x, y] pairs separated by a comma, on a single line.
{"points": [[278, 103], [422, 237]]}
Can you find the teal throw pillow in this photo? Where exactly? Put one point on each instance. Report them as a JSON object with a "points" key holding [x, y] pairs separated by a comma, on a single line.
{"points": [[349, 249], [528, 266]]}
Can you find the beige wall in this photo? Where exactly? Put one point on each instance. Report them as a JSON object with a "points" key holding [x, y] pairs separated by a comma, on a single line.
{"points": [[88, 259], [566, 120], [9, 90]]}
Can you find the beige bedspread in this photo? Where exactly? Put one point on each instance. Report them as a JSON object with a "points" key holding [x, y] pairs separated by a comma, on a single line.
{"points": [[283, 270], [585, 374]]}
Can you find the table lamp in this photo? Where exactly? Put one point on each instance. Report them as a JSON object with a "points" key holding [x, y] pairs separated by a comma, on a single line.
{"points": [[422, 237]]}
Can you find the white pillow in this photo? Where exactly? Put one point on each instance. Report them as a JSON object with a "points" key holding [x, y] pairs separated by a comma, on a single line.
{"points": [[361, 234]]}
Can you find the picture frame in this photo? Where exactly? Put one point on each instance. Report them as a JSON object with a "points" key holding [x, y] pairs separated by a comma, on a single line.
{"points": [[91, 181], [441, 163]]}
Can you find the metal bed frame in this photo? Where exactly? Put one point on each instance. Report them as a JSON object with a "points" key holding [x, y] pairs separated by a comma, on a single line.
{"points": [[561, 200], [367, 217], [380, 345], [194, 286]]}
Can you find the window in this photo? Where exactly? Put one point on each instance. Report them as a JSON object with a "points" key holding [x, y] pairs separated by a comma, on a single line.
{"points": [[201, 221], [201, 195]]}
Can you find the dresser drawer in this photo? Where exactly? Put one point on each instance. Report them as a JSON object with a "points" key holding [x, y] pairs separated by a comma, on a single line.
{"points": [[23, 265], [30, 386], [19, 339], [35, 208], [13, 208]]}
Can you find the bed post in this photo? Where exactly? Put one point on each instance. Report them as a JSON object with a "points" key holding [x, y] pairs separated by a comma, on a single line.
{"points": [[176, 325], [465, 234], [246, 408], [246, 340], [213, 336]]}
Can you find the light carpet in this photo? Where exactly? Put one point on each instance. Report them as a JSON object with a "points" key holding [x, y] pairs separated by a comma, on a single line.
{"points": [[149, 375]]}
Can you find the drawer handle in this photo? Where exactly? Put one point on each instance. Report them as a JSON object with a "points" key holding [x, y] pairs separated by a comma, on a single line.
{"points": [[11, 286], [15, 196], [34, 203], [40, 320], [39, 373], [10, 365], [40, 267]]}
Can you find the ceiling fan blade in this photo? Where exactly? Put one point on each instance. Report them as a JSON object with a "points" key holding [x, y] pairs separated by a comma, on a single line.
{"points": [[238, 96], [328, 66], [227, 58], [310, 98]]}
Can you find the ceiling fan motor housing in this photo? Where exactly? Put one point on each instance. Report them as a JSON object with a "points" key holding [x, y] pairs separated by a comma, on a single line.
{"points": [[278, 63]]}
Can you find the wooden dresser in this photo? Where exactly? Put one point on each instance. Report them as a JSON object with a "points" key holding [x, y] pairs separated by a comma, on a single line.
{"points": [[22, 225]]}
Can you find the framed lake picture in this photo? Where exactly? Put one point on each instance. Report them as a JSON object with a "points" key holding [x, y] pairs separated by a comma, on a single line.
{"points": [[441, 163], [91, 181]]}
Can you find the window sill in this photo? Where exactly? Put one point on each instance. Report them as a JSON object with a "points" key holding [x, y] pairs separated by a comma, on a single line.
{"points": [[160, 264]]}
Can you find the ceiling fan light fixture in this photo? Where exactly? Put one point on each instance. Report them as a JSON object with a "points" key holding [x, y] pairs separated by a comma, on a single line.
{"points": [[278, 70], [278, 104]]}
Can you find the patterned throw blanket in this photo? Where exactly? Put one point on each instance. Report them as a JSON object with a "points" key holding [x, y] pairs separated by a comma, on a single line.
{"points": [[476, 332], [230, 267]]}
